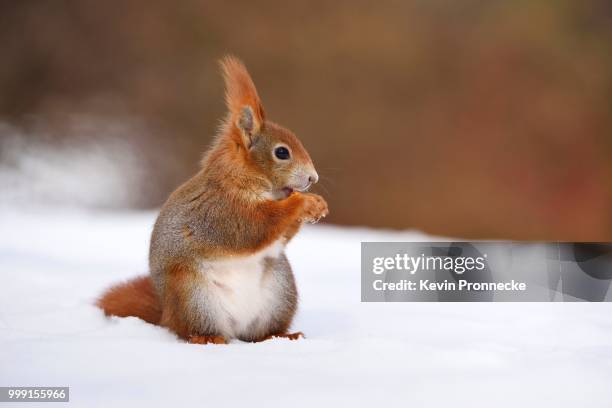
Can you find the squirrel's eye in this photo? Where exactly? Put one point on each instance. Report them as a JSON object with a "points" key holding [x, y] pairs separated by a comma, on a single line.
{"points": [[282, 153]]}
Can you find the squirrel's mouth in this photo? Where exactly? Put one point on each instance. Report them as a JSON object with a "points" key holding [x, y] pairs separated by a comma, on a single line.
{"points": [[286, 191]]}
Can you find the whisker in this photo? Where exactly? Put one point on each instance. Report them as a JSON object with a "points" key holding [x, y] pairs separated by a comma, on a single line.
{"points": [[327, 180], [324, 189], [328, 169]]}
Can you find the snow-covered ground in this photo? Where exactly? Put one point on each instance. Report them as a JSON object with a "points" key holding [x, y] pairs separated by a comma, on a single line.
{"points": [[53, 264]]}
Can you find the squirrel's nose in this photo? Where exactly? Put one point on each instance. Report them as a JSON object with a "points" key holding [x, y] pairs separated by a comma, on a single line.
{"points": [[313, 178]]}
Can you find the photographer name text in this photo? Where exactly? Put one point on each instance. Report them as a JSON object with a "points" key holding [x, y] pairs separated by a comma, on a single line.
{"points": [[411, 265]]}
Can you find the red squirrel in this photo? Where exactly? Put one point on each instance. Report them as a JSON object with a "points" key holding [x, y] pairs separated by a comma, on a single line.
{"points": [[218, 269]]}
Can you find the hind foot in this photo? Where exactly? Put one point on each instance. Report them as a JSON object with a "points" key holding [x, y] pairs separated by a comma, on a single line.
{"points": [[207, 340], [290, 336]]}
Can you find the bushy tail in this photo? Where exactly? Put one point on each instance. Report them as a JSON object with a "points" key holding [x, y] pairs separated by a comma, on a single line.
{"points": [[136, 297]]}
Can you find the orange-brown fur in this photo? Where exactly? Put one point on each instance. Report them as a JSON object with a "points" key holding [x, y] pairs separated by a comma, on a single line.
{"points": [[136, 297], [233, 207]]}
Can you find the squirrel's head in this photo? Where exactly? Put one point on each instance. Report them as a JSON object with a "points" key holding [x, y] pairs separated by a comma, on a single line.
{"points": [[270, 151]]}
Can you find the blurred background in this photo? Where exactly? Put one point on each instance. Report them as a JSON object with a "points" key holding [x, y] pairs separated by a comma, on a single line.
{"points": [[475, 119]]}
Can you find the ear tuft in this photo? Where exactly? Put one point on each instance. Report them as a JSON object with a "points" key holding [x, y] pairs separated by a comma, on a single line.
{"points": [[243, 103]]}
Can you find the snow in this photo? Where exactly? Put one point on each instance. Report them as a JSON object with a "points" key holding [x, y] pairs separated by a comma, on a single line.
{"points": [[53, 264], [34, 167]]}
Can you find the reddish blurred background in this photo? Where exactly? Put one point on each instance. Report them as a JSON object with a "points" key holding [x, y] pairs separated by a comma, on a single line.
{"points": [[478, 119]]}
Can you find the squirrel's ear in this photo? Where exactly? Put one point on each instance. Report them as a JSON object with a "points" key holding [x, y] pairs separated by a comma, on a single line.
{"points": [[243, 103]]}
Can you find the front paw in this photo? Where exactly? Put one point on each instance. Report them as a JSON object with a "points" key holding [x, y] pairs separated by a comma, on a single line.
{"points": [[315, 208]]}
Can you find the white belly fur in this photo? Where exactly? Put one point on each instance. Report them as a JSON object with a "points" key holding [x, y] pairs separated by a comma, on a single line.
{"points": [[239, 292]]}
